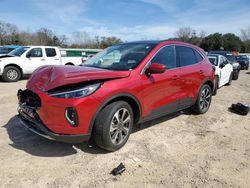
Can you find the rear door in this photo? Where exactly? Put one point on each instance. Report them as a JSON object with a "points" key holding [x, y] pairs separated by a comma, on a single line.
{"points": [[52, 56], [160, 93], [191, 74]]}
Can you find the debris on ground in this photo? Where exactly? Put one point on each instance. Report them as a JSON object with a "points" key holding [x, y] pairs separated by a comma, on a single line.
{"points": [[240, 108], [118, 170]]}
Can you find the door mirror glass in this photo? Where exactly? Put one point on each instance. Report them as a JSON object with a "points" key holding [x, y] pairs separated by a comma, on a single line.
{"points": [[156, 68]]}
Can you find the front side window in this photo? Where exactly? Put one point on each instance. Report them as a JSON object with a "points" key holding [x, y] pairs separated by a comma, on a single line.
{"points": [[35, 52], [186, 56], [50, 52], [120, 57], [166, 56]]}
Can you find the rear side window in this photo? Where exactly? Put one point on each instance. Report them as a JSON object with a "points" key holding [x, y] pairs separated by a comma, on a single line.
{"points": [[188, 56], [50, 52], [166, 56], [198, 56]]}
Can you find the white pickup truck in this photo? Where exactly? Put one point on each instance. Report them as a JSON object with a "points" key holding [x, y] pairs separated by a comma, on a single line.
{"points": [[24, 60]]}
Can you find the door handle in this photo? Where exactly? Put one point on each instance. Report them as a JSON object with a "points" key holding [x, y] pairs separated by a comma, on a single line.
{"points": [[201, 71], [175, 77], [42, 59], [56, 59]]}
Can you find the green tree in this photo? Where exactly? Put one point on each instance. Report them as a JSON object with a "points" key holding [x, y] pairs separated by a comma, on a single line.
{"points": [[212, 42], [231, 42]]}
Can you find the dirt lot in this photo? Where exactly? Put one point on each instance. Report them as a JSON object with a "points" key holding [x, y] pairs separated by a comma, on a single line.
{"points": [[181, 150]]}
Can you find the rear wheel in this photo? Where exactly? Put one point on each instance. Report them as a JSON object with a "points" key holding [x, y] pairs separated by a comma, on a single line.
{"points": [[204, 100], [113, 126], [11, 74]]}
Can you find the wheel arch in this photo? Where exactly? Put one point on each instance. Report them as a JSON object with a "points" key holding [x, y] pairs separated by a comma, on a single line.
{"points": [[14, 65], [70, 63], [210, 83], [129, 98]]}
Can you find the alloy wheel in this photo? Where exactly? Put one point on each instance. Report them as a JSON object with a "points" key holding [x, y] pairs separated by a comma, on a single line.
{"points": [[205, 99], [120, 126], [12, 74]]}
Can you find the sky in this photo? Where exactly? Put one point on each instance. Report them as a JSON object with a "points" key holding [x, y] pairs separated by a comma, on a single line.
{"points": [[127, 19]]}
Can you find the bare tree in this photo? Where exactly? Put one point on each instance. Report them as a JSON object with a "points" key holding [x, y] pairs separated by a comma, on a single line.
{"points": [[245, 34], [185, 33], [80, 38]]}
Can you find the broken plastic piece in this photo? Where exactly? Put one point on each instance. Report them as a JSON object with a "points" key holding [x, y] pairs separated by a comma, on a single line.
{"points": [[240, 108], [118, 170]]}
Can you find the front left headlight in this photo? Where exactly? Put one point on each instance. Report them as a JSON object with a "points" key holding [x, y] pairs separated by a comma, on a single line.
{"points": [[76, 93]]}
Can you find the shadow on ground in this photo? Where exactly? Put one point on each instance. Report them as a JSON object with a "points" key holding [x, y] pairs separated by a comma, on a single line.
{"points": [[33, 144]]}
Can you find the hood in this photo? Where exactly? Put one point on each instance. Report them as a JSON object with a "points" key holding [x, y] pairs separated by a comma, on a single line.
{"points": [[49, 77], [6, 55]]}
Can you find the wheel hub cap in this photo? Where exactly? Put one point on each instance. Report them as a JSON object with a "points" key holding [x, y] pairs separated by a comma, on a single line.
{"points": [[120, 126]]}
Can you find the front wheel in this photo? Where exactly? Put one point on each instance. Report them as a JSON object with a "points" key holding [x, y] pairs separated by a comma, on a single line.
{"points": [[113, 126], [204, 100], [11, 74]]}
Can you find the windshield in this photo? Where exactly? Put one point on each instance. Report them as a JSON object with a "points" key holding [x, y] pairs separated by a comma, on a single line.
{"points": [[231, 58], [19, 51], [120, 57], [213, 60]]}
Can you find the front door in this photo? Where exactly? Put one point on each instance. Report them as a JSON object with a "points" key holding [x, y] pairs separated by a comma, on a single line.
{"points": [[160, 91], [34, 59]]}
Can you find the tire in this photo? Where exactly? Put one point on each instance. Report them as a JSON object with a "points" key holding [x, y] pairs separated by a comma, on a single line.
{"points": [[203, 100], [236, 76], [230, 79], [11, 74], [216, 85], [114, 137], [247, 67]]}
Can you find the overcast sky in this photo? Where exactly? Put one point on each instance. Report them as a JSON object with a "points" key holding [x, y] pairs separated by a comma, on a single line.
{"points": [[127, 19]]}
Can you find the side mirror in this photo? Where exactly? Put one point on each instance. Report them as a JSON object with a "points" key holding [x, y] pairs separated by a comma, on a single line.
{"points": [[28, 55], [222, 65], [156, 68]]}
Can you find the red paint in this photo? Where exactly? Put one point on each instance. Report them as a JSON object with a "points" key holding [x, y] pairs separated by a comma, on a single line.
{"points": [[152, 93]]}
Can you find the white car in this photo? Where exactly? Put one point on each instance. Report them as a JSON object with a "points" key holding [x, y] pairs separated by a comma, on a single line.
{"points": [[24, 60], [223, 69]]}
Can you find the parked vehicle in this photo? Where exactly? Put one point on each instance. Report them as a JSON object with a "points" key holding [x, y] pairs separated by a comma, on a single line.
{"points": [[236, 69], [223, 71], [244, 61], [123, 85], [80, 55], [7, 49], [24, 60]]}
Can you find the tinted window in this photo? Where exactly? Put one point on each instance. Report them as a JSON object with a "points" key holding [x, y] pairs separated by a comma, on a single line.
{"points": [[50, 52], [186, 56], [166, 56], [36, 52], [213, 60], [198, 56]]}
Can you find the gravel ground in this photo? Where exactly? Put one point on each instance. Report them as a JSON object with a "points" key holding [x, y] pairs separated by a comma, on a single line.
{"points": [[180, 150]]}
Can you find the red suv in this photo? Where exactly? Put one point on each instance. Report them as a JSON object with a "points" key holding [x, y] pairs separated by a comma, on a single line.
{"points": [[121, 86]]}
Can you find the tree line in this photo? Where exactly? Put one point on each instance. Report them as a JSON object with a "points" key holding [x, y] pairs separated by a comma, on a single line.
{"points": [[10, 34]]}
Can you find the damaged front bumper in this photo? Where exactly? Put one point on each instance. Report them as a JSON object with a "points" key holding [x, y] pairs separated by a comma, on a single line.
{"points": [[28, 120]]}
